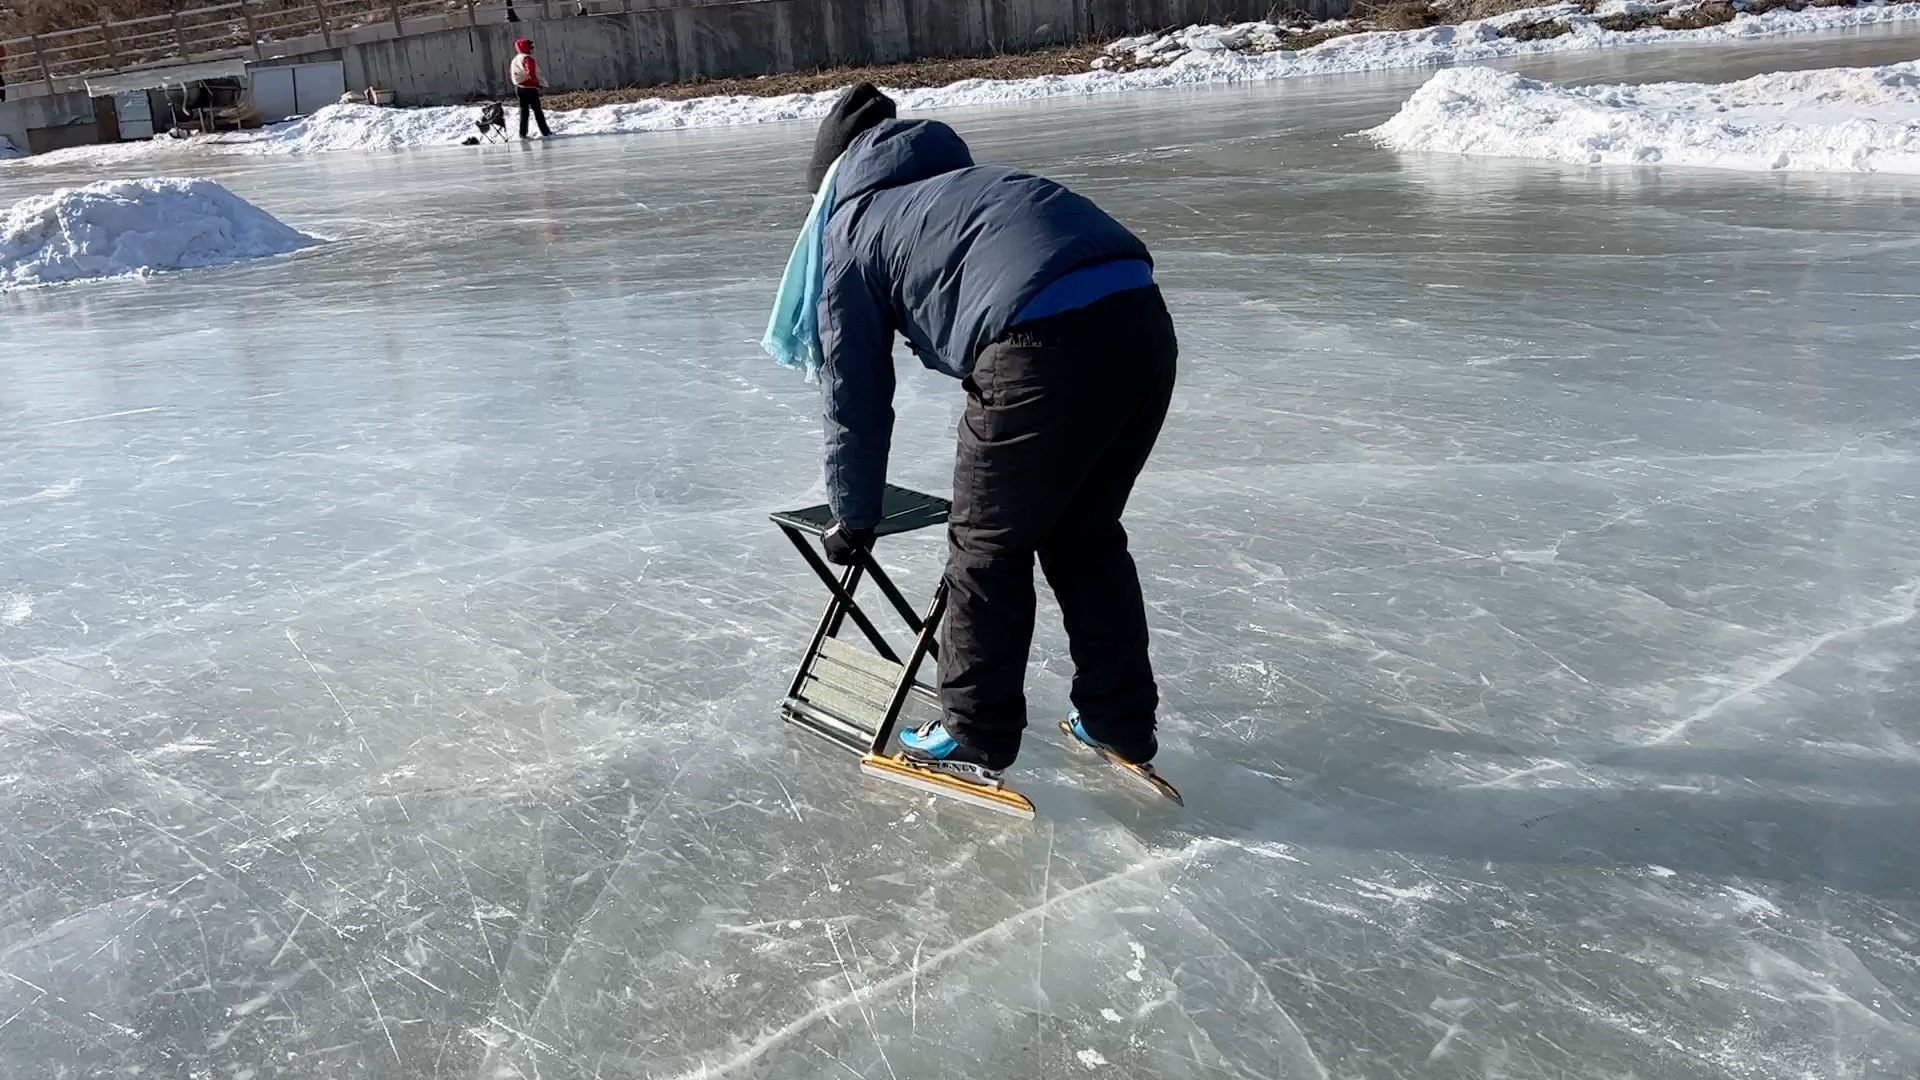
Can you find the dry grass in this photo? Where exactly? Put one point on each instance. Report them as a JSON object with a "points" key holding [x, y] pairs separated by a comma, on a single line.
{"points": [[1397, 14], [1711, 14], [1537, 31], [1456, 11], [1307, 39], [936, 72], [1699, 18]]}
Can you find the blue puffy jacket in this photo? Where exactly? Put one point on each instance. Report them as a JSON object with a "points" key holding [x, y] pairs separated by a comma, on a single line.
{"points": [[924, 242]]}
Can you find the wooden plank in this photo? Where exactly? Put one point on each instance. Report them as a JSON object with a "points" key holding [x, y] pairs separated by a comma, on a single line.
{"points": [[852, 681], [870, 668], [861, 660], [46, 73], [113, 49], [848, 707], [106, 120], [253, 29], [141, 20]]}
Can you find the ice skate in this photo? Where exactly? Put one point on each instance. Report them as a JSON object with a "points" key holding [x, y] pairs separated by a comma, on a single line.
{"points": [[1143, 771], [931, 760]]}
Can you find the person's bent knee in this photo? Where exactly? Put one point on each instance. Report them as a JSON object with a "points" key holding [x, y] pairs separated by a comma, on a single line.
{"points": [[1108, 539]]}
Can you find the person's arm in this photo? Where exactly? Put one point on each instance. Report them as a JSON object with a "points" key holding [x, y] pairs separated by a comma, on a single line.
{"points": [[856, 383], [533, 73]]}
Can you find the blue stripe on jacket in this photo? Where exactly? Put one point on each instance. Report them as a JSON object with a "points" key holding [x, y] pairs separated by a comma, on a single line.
{"points": [[1085, 286]]}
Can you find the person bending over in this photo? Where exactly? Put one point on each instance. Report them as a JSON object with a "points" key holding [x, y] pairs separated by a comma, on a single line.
{"points": [[1046, 309]]}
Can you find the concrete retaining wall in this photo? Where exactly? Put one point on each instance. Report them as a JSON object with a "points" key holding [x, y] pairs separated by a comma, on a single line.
{"points": [[755, 37], [58, 120]]}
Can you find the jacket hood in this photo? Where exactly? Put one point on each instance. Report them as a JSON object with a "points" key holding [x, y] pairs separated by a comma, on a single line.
{"points": [[899, 152], [523, 45]]}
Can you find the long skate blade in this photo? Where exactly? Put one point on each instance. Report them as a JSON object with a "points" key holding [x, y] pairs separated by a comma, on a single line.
{"points": [[898, 771], [1143, 773]]}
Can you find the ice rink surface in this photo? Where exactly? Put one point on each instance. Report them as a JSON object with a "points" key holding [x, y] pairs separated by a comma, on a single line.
{"points": [[391, 635]]}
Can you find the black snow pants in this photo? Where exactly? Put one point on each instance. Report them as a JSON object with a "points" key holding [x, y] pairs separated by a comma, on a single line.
{"points": [[530, 103], [1061, 415]]}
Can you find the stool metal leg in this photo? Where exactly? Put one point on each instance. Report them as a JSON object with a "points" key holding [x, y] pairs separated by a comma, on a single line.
{"points": [[843, 595], [829, 624], [900, 603], [922, 647]]}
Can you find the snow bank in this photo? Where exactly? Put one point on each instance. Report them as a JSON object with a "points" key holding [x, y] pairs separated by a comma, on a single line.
{"points": [[122, 228], [1233, 57], [365, 127], [1198, 55], [1463, 42], [361, 127], [1832, 120]]}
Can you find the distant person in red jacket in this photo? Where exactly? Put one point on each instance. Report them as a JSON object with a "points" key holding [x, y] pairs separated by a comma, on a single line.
{"points": [[526, 84]]}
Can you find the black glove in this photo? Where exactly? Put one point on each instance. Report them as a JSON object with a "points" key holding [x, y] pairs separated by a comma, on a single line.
{"points": [[844, 545]]}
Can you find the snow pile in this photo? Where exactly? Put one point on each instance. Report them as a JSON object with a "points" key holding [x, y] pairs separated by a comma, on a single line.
{"points": [[366, 127], [362, 127], [120, 228], [1201, 55], [1608, 8], [1831, 120], [1253, 38], [1202, 45]]}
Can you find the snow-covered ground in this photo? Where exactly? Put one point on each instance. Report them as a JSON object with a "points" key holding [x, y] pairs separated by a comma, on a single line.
{"points": [[1831, 120], [121, 228], [1204, 54]]}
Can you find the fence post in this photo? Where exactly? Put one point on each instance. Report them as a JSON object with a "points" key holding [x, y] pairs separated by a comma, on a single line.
{"points": [[46, 73], [320, 12], [253, 29], [472, 21], [113, 46], [393, 6], [173, 20]]}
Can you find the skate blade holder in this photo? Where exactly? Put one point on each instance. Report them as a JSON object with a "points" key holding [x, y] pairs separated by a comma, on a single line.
{"points": [[853, 697]]}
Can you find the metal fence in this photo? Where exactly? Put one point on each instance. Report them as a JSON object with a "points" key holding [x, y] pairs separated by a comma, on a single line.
{"points": [[208, 33]]}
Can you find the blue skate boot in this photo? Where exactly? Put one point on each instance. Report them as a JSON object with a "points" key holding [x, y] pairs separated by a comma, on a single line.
{"points": [[1139, 769], [934, 748], [934, 761]]}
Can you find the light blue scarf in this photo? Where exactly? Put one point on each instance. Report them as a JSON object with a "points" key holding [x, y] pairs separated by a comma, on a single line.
{"points": [[793, 330]]}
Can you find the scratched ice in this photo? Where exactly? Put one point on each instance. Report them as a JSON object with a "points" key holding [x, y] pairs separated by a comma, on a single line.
{"points": [[392, 635]]}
